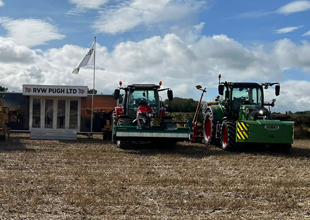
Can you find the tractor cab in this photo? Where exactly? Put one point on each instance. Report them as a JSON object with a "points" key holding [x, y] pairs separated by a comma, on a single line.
{"points": [[141, 101], [245, 100], [144, 99]]}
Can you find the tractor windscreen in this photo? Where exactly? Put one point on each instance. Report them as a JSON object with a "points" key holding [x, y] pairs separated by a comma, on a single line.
{"points": [[143, 97], [246, 95]]}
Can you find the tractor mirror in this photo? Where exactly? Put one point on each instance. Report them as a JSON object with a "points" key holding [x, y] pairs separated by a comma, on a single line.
{"points": [[227, 94], [116, 94], [277, 90], [170, 95], [221, 89]]}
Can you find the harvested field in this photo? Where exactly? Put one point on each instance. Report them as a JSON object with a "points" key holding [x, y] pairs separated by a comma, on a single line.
{"points": [[93, 179]]}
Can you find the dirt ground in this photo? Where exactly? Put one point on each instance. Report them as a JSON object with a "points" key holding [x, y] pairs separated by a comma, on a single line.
{"points": [[93, 179]]}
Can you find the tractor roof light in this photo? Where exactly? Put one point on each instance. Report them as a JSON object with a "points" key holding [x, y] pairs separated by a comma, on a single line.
{"points": [[120, 83], [220, 76], [160, 83]]}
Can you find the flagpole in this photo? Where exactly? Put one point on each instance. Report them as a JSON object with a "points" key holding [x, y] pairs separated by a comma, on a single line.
{"points": [[92, 97]]}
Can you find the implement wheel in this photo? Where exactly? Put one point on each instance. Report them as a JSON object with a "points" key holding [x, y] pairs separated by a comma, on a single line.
{"points": [[228, 136], [209, 130], [124, 144]]}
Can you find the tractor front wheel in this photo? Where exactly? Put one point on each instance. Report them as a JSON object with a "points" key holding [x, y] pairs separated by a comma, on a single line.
{"points": [[228, 136]]}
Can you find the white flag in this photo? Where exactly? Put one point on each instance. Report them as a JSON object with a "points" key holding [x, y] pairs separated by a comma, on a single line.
{"points": [[89, 59]]}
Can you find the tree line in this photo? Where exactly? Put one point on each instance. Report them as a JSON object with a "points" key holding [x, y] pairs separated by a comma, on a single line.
{"points": [[181, 105]]}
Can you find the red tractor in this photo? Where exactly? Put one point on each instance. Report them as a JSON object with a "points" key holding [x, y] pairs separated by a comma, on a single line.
{"points": [[140, 116]]}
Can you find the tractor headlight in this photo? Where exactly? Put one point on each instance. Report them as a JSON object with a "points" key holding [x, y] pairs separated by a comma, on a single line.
{"points": [[261, 112]]}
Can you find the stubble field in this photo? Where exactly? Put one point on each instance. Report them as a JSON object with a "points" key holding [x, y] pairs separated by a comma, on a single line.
{"points": [[93, 179]]}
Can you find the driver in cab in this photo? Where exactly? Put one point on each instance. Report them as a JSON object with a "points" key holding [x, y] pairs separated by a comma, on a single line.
{"points": [[145, 108]]}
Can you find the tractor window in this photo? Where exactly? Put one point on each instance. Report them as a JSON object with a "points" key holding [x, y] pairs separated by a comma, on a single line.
{"points": [[242, 95], [222, 97], [139, 96]]}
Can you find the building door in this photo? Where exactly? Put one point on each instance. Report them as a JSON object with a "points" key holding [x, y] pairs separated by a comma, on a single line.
{"points": [[55, 113], [48, 113], [73, 119], [61, 114]]}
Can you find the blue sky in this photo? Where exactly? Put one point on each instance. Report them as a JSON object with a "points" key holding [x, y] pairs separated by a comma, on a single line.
{"points": [[180, 42]]}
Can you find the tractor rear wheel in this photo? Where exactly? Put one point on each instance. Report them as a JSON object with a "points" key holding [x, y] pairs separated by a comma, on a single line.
{"points": [[124, 144], [209, 129], [228, 136]]}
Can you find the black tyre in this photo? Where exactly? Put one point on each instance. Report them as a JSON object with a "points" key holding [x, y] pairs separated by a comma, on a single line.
{"points": [[228, 136], [124, 144], [209, 130]]}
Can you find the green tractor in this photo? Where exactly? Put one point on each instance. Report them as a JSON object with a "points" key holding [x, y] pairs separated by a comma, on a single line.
{"points": [[240, 119]]}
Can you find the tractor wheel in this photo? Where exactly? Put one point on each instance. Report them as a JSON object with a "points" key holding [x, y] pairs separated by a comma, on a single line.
{"points": [[124, 144], [209, 129], [228, 136], [113, 123]]}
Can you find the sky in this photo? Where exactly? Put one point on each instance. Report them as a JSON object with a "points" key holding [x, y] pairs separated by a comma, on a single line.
{"points": [[182, 43]]}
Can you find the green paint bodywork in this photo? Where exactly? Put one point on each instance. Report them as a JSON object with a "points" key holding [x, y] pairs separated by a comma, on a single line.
{"points": [[268, 131], [220, 112], [136, 129]]}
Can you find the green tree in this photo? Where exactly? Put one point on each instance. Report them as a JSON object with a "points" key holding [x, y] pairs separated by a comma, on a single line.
{"points": [[3, 89], [90, 91], [181, 105]]}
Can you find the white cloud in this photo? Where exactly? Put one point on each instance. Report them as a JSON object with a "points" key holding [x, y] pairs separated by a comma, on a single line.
{"points": [[187, 33], [1, 3], [178, 64], [12, 53], [82, 6], [254, 14], [290, 55], [306, 34], [30, 32], [129, 15], [291, 98], [293, 7], [90, 4], [287, 29]]}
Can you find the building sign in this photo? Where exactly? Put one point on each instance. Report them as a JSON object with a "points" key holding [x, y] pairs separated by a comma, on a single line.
{"points": [[43, 90]]}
